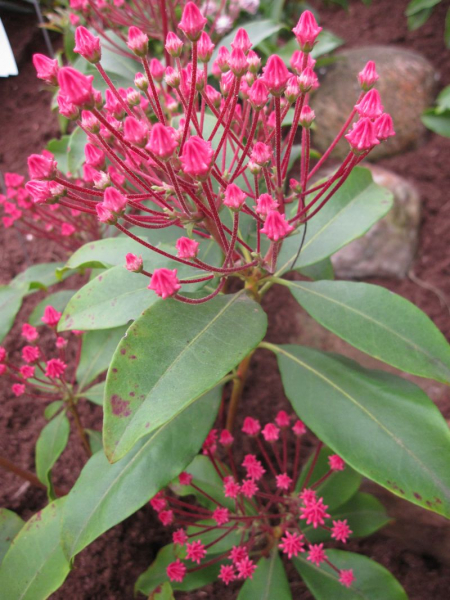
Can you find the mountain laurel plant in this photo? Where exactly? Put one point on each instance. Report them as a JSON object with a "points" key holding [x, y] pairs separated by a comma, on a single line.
{"points": [[190, 183]]}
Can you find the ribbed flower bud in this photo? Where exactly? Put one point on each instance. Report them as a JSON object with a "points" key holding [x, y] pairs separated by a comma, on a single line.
{"points": [[90, 122], [306, 31], [197, 157], [187, 248], [276, 227], [254, 62], [114, 201], [276, 75], [156, 69], [241, 41], [46, 68], [164, 283], [104, 215], [173, 45], [192, 22], [135, 132], [213, 96], [384, 127], [172, 77], [76, 87], [94, 156], [87, 45], [370, 106], [363, 136], [227, 83], [307, 80], [67, 109], [261, 154], [141, 82], [223, 59], [307, 116], [292, 91], [205, 47], [238, 62], [368, 76], [137, 41], [264, 204], [41, 167], [234, 197], [162, 141], [258, 94], [134, 263]]}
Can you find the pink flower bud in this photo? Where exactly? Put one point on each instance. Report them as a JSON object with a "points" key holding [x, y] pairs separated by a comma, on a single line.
{"points": [[227, 83], [173, 45], [133, 97], [113, 106], [114, 201], [307, 116], [76, 87], [67, 109], [213, 96], [18, 389], [384, 127], [306, 31], [141, 82], [258, 94], [135, 132], [156, 69], [192, 22], [90, 122], [104, 215], [261, 154], [241, 41], [264, 204], [164, 283], [87, 44], [336, 463], [185, 478], [226, 439], [55, 368], [298, 59], [46, 68], [187, 248], [234, 197], [254, 62], [101, 179], [276, 75], [251, 426], [292, 91], [368, 76], [205, 47], [30, 353], [370, 106], [176, 571], [197, 157], [38, 190], [29, 332], [172, 77], [238, 62], [223, 58], [51, 316], [162, 141], [363, 135], [41, 167], [67, 229], [276, 227], [137, 41], [282, 419], [134, 263], [307, 80], [271, 432], [60, 342], [3, 354], [94, 156]]}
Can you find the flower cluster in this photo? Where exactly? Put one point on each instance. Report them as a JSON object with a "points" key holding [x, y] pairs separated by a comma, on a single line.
{"points": [[263, 504], [174, 151]]}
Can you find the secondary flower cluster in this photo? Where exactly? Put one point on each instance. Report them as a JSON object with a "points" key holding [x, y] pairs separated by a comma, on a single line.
{"points": [[39, 374], [214, 164], [267, 505]]}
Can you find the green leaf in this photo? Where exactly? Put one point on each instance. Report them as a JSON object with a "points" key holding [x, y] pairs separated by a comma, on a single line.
{"points": [[338, 487], [269, 581], [447, 32], [416, 6], [106, 494], [49, 447], [58, 147], [35, 566], [75, 148], [443, 99], [381, 425], [109, 252], [373, 582], [39, 276], [321, 270], [59, 302], [258, 31], [52, 408], [10, 525], [96, 353], [378, 322], [439, 122], [95, 440], [418, 19], [10, 303], [172, 355], [352, 211], [166, 592], [95, 393]]}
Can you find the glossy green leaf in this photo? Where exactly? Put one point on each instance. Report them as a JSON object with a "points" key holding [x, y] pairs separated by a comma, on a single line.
{"points": [[383, 426], [419, 18], [109, 252], [416, 6], [339, 487], [165, 592], [10, 303], [269, 581], [95, 393], [378, 322], [52, 408], [35, 566], [59, 302], [10, 525], [49, 447], [258, 31], [75, 148], [95, 440], [39, 276], [373, 582], [437, 121], [350, 213], [172, 355], [106, 494], [96, 353], [321, 270], [58, 147]]}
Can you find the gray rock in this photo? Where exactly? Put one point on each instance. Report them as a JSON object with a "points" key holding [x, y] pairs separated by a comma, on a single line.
{"points": [[388, 248], [407, 85]]}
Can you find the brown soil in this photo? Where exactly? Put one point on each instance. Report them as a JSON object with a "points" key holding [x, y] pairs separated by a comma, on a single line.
{"points": [[108, 568]]}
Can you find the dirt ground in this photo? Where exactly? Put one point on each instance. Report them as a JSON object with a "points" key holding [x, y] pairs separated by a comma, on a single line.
{"points": [[108, 569]]}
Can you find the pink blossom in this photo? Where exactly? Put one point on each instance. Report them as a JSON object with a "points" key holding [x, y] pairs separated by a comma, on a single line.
{"points": [[158, 502], [13, 180], [61, 342], [316, 554], [179, 537], [246, 568], [3, 354], [307, 80], [276, 75], [363, 135], [292, 544], [133, 263], [265, 204], [87, 45], [51, 316], [162, 141], [114, 201], [234, 197], [384, 127], [336, 463], [172, 77], [307, 116], [254, 468], [196, 551], [104, 215], [241, 41], [46, 68], [292, 91], [370, 105], [230, 488], [164, 283], [205, 47], [76, 87], [306, 31], [18, 389], [262, 154], [225, 438], [346, 577], [192, 22], [223, 57], [38, 190], [221, 515], [187, 248], [137, 41], [29, 332], [238, 62], [135, 132], [227, 574], [249, 488], [251, 426], [41, 167], [30, 353], [26, 371], [176, 571], [173, 45], [253, 61], [301, 60], [314, 512], [368, 76], [94, 156], [271, 432], [66, 108], [282, 419], [197, 157], [185, 478], [299, 428], [341, 531], [166, 517], [55, 368], [67, 229], [276, 227], [237, 554], [210, 441], [283, 481], [258, 95]]}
